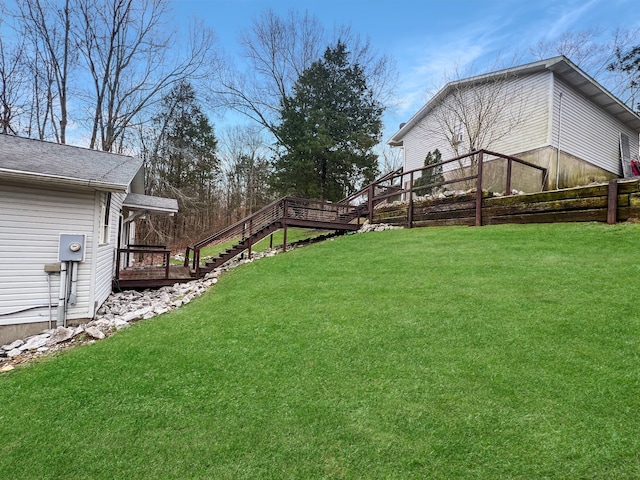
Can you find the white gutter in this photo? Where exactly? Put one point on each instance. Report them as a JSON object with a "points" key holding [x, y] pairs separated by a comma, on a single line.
{"points": [[6, 173]]}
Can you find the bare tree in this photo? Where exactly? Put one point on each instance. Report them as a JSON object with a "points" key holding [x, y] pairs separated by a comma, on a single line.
{"points": [[47, 24], [389, 158], [475, 113], [13, 81], [277, 50], [594, 50], [127, 47], [246, 170]]}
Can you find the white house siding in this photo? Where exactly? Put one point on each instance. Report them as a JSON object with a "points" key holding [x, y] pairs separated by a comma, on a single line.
{"points": [[31, 221], [528, 99], [587, 131], [105, 256], [532, 131]]}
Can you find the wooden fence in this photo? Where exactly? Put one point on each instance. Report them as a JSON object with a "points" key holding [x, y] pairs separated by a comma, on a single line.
{"points": [[618, 200]]}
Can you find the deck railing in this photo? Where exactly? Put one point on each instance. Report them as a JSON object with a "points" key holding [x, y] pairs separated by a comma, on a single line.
{"points": [[469, 170], [287, 210], [143, 256]]}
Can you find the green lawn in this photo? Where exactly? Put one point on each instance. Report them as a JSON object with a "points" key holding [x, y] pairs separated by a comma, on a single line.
{"points": [[483, 353]]}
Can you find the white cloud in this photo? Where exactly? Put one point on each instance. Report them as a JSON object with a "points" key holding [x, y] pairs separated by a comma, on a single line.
{"points": [[569, 17]]}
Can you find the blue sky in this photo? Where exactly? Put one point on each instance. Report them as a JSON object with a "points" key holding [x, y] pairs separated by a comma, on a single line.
{"points": [[428, 39]]}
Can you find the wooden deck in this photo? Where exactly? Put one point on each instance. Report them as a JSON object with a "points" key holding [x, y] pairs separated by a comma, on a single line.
{"points": [[151, 277], [147, 266]]}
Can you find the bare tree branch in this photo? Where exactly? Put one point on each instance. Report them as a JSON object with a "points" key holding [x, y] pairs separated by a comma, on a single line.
{"points": [[128, 50], [277, 50]]}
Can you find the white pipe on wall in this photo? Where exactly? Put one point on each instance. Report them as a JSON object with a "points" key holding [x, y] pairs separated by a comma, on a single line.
{"points": [[74, 284], [61, 321]]}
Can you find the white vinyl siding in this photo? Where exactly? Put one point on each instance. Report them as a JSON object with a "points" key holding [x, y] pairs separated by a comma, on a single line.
{"points": [[529, 106], [31, 221], [105, 254], [587, 131], [532, 131]]}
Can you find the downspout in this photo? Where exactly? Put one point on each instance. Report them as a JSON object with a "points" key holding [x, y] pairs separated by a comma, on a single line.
{"points": [[49, 285], [559, 136], [74, 284], [61, 321]]}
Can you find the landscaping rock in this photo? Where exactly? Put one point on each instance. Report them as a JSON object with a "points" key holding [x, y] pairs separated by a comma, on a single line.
{"points": [[94, 332], [376, 227], [14, 353], [120, 324], [35, 342], [11, 346], [59, 335]]}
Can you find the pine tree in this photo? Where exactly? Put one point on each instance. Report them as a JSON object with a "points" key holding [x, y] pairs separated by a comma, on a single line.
{"points": [[328, 129], [430, 176], [182, 161]]}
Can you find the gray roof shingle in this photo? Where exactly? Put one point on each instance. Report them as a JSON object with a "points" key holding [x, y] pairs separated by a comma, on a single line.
{"points": [[152, 204], [24, 158]]}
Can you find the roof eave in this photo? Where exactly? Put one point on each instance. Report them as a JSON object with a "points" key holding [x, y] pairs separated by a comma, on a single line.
{"points": [[21, 176]]}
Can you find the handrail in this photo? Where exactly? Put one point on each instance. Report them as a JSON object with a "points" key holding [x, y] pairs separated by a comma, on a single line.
{"points": [[364, 189], [282, 210], [373, 198], [144, 250]]}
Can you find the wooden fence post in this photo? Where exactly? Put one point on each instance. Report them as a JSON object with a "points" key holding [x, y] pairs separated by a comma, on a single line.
{"points": [[612, 202], [507, 190], [410, 207], [370, 202], [479, 191], [284, 225]]}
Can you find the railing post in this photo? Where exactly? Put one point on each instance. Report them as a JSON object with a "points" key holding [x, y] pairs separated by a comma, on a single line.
{"points": [[370, 202], [284, 224], [479, 191], [508, 186], [410, 207], [250, 234], [167, 258], [118, 263], [612, 202]]}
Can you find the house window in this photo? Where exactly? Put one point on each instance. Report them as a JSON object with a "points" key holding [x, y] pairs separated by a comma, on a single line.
{"points": [[105, 215]]}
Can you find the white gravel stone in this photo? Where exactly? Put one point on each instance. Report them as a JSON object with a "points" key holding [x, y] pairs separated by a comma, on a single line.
{"points": [[59, 335], [35, 342], [13, 345], [120, 324], [94, 332]]}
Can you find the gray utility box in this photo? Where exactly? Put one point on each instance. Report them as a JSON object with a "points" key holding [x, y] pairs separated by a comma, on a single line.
{"points": [[71, 247]]}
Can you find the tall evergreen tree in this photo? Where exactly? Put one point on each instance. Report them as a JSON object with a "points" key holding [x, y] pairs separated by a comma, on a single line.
{"points": [[182, 161], [424, 185], [328, 129]]}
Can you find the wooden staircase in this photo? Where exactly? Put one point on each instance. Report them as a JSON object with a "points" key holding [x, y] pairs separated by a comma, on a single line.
{"points": [[284, 213], [239, 247]]}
